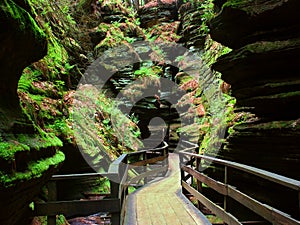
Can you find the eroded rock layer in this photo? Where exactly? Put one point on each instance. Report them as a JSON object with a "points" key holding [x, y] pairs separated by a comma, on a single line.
{"points": [[28, 156], [263, 71]]}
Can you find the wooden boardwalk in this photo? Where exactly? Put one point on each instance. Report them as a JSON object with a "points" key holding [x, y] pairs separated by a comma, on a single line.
{"points": [[162, 203]]}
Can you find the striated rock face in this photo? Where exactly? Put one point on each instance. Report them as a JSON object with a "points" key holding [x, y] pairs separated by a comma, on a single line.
{"points": [[190, 17], [248, 21], [22, 43], [263, 71], [157, 12], [15, 200], [28, 156], [264, 75]]}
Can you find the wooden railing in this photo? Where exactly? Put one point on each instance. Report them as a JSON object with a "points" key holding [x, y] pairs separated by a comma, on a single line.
{"points": [[135, 164], [128, 170], [192, 179]]}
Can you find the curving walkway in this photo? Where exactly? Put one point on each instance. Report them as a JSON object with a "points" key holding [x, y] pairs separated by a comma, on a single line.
{"points": [[162, 203]]}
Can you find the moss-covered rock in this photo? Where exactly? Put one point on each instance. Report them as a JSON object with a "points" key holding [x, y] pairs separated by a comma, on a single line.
{"points": [[262, 74], [28, 155], [263, 71], [24, 42]]}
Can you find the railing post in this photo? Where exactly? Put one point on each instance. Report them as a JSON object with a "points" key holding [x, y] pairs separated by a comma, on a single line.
{"points": [[166, 153], [182, 173], [145, 167], [299, 202], [114, 193], [199, 183], [115, 218], [52, 196], [225, 182], [166, 160]]}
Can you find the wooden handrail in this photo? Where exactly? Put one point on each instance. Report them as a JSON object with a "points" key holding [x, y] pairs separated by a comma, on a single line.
{"points": [[276, 178], [78, 176], [271, 214], [118, 175], [122, 161]]}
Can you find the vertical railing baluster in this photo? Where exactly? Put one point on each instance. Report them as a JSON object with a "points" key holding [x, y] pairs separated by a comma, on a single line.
{"points": [[181, 164], [126, 171], [165, 153], [52, 196], [225, 182], [199, 183], [114, 193], [145, 166], [299, 202]]}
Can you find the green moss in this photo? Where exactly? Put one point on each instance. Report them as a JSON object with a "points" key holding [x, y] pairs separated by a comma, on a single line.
{"points": [[56, 59], [154, 71], [26, 142], [114, 36], [9, 149], [61, 128], [42, 101], [21, 18], [35, 170], [45, 140], [61, 220], [96, 135], [236, 3]]}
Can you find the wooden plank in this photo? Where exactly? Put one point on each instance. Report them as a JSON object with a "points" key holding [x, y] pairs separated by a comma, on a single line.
{"points": [[225, 216], [167, 211], [216, 185], [186, 212], [145, 216], [114, 189], [276, 178], [146, 174], [148, 161], [271, 214], [158, 218], [77, 208]]}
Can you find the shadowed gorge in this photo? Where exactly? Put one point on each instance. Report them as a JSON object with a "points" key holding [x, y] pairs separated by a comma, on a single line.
{"points": [[93, 86]]}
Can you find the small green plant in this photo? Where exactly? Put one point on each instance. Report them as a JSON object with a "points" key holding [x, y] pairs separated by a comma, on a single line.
{"points": [[153, 71], [207, 8], [31, 206]]}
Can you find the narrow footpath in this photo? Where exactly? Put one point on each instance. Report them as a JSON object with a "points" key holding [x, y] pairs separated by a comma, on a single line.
{"points": [[162, 203]]}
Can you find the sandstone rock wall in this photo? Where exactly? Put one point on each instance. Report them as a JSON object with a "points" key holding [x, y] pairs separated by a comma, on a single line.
{"points": [[263, 71], [28, 156]]}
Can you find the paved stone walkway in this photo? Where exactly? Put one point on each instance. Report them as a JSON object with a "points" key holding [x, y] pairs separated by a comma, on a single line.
{"points": [[162, 203]]}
